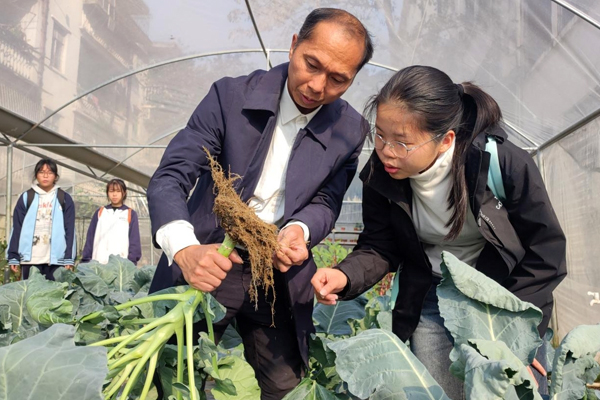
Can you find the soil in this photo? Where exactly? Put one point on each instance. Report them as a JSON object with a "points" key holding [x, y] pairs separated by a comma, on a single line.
{"points": [[244, 226]]}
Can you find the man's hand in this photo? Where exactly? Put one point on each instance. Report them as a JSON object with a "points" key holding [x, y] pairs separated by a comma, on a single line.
{"points": [[15, 268], [293, 250], [327, 282], [69, 267], [203, 267]]}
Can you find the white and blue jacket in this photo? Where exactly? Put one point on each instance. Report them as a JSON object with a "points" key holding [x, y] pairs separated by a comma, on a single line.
{"points": [[62, 242]]}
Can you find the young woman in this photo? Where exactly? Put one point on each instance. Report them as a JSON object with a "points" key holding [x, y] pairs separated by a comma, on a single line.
{"points": [[424, 191], [114, 229], [43, 233]]}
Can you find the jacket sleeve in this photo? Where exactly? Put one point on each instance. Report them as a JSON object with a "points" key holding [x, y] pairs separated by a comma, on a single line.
{"points": [[531, 214], [324, 209], [135, 247], [12, 252], [88, 248], [184, 160], [69, 220], [375, 250]]}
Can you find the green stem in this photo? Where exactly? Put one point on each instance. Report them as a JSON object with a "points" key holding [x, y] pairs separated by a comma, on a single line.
{"points": [[161, 336], [171, 317], [180, 343], [189, 344], [143, 300], [149, 376], [227, 246], [211, 331], [116, 384]]}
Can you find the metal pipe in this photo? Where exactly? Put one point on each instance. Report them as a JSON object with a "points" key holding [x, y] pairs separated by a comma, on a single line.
{"points": [[578, 12], [104, 146], [582, 122], [7, 222]]}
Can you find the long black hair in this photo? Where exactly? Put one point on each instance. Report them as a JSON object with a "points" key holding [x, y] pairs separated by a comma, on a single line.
{"points": [[439, 105]]}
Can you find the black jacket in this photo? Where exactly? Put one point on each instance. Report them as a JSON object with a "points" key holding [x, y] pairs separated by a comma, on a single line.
{"points": [[525, 249]]}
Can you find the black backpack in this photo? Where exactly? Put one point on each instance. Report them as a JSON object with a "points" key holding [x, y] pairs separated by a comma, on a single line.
{"points": [[60, 194]]}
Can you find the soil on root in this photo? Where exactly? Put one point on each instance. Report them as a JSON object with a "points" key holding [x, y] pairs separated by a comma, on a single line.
{"points": [[244, 226]]}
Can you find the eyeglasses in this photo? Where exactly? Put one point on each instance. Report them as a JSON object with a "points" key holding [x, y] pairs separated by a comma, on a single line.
{"points": [[399, 149], [45, 173]]}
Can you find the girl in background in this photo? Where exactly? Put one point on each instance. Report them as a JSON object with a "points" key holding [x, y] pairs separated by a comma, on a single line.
{"points": [[114, 229], [43, 233], [424, 191]]}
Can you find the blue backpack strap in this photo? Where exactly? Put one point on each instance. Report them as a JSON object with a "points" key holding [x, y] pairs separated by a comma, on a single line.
{"points": [[494, 173]]}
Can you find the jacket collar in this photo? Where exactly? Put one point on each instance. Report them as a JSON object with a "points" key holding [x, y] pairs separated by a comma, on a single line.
{"points": [[266, 96], [396, 190]]}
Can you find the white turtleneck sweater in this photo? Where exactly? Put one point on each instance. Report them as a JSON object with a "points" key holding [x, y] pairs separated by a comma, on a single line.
{"points": [[430, 214]]}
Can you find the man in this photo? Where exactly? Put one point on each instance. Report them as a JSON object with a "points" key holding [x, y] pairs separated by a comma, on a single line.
{"points": [[295, 144]]}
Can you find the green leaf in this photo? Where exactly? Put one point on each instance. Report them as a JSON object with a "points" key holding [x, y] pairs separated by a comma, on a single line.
{"points": [[230, 339], [322, 362], [374, 307], [91, 282], [49, 366], [333, 320], [241, 374], [5, 318], [142, 278], [490, 370], [309, 389], [569, 374], [45, 300], [476, 307], [185, 390], [124, 270], [377, 365], [13, 296]]}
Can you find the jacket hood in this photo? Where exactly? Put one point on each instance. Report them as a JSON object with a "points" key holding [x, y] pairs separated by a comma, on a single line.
{"points": [[41, 191]]}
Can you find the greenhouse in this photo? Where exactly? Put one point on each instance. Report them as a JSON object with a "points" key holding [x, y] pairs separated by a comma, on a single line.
{"points": [[103, 86]]}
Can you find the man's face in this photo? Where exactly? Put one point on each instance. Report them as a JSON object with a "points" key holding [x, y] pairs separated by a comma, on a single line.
{"points": [[323, 67]]}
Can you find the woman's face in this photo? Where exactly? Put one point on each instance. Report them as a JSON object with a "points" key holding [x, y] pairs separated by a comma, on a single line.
{"points": [[393, 125], [46, 178], [115, 195]]}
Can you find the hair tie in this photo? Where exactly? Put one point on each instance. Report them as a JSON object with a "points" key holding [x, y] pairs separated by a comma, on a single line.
{"points": [[461, 90]]}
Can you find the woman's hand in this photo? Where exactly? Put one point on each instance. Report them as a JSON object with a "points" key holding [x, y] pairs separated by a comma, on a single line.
{"points": [[15, 268], [326, 283]]}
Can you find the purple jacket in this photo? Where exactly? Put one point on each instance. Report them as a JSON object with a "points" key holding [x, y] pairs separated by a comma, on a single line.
{"points": [[235, 122]]}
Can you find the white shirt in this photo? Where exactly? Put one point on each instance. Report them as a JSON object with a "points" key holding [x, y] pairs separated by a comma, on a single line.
{"points": [[430, 214], [42, 234], [269, 195]]}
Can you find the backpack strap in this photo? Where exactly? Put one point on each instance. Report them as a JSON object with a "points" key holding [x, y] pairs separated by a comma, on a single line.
{"points": [[30, 195], [494, 173], [60, 195], [129, 215], [100, 211]]}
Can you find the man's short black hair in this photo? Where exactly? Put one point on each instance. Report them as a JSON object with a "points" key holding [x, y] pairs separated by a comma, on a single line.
{"points": [[348, 21]]}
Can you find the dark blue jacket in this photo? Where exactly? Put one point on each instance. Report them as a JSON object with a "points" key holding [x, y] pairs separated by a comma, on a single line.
{"points": [[235, 122]]}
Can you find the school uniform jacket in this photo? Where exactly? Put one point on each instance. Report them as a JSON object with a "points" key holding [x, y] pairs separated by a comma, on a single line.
{"points": [[113, 232], [525, 246], [235, 122], [62, 242]]}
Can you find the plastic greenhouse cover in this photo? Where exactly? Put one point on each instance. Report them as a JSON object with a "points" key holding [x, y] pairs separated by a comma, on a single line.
{"points": [[131, 72]]}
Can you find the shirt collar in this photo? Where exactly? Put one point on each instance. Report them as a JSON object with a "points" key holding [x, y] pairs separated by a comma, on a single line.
{"points": [[288, 110]]}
